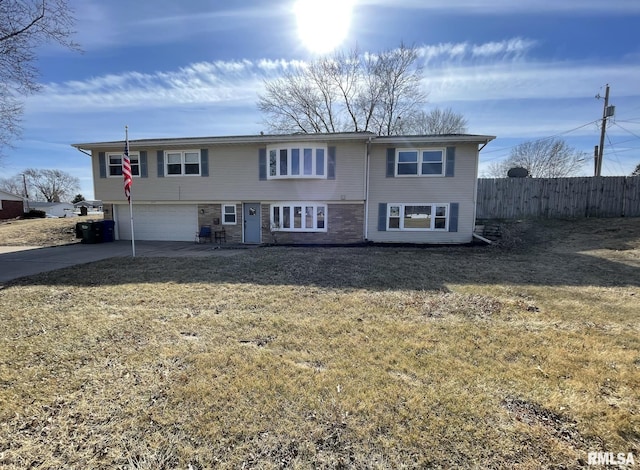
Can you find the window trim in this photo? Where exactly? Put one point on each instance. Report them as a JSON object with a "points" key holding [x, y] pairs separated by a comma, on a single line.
{"points": [[183, 162], [276, 226], [300, 148], [433, 205], [420, 162], [235, 214], [132, 155]]}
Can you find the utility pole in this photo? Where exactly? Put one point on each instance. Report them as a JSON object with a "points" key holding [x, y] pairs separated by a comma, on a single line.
{"points": [[606, 112]]}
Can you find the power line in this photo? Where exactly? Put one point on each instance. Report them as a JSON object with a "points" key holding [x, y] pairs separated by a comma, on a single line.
{"points": [[542, 138]]}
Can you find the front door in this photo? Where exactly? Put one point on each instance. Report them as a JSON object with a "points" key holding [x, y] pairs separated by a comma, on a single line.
{"points": [[252, 217]]}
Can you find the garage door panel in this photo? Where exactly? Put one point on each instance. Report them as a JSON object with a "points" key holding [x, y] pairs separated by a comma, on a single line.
{"points": [[158, 222]]}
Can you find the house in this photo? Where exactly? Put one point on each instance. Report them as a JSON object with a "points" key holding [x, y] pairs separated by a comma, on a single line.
{"points": [[91, 206], [11, 206], [53, 209], [298, 188]]}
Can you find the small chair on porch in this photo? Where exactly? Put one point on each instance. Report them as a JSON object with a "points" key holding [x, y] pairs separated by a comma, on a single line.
{"points": [[204, 234], [220, 235]]}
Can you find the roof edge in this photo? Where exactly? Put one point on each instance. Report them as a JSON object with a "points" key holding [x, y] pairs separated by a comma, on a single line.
{"points": [[299, 137]]}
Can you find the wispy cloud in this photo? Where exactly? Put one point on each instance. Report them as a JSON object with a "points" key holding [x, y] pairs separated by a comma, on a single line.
{"points": [[455, 72]]}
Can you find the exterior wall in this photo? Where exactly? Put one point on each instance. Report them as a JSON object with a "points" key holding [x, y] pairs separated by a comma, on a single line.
{"points": [[345, 224], [461, 189], [234, 176], [11, 209], [209, 214]]}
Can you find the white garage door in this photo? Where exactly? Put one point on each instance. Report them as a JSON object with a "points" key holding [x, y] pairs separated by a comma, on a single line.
{"points": [[158, 222]]}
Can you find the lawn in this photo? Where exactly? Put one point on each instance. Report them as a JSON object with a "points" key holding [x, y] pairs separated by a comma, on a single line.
{"points": [[523, 355], [41, 232]]}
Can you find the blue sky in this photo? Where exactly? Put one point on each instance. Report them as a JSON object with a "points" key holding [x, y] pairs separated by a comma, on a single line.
{"points": [[520, 70]]}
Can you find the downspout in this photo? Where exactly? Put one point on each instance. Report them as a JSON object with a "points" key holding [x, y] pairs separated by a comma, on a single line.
{"points": [[475, 191], [366, 189]]}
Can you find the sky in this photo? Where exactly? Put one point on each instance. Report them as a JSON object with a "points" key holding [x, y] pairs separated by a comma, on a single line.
{"points": [[519, 70]]}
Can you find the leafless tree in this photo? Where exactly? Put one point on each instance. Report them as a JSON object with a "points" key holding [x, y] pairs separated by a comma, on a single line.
{"points": [[25, 25], [349, 91], [436, 122], [13, 185], [51, 185], [636, 172], [546, 158]]}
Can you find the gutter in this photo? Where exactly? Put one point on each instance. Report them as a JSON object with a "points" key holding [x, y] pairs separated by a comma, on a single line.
{"points": [[82, 151], [366, 189]]}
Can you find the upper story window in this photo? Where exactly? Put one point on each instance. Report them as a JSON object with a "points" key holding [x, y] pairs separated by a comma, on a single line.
{"points": [[420, 162], [185, 162], [299, 161], [114, 163]]}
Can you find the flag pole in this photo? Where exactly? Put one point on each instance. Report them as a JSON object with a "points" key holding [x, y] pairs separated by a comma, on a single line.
{"points": [[133, 241]]}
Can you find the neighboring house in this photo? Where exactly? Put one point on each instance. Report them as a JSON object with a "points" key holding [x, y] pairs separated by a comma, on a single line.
{"points": [[53, 209], [92, 206], [298, 188], [11, 206]]}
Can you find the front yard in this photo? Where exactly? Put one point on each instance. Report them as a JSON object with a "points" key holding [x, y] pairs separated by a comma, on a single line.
{"points": [[521, 356]]}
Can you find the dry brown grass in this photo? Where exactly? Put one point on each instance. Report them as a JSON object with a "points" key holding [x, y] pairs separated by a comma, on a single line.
{"points": [[470, 357], [40, 232]]}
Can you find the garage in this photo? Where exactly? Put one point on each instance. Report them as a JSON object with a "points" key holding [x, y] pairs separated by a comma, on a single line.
{"points": [[169, 222]]}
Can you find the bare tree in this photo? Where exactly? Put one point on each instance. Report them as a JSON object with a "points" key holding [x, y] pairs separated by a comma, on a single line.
{"points": [[51, 185], [346, 92], [436, 122], [636, 172], [547, 158], [14, 185], [25, 25]]}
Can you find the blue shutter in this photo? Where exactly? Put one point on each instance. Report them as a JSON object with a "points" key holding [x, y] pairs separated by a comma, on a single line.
{"points": [[204, 162], [143, 164], [391, 162], [262, 164], [102, 160], [453, 216], [451, 161], [160, 155], [331, 163], [382, 217]]}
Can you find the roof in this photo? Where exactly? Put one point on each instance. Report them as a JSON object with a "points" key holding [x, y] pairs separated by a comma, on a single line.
{"points": [[33, 204], [5, 196], [297, 137]]}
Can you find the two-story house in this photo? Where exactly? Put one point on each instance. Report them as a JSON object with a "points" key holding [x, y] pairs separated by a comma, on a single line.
{"points": [[299, 188]]}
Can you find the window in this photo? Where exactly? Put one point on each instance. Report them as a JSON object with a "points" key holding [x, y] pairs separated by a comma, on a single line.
{"points": [[303, 161], [418, 217], [114, 162], [228, 214], [420, 162], [185, 162], [299, 217]]}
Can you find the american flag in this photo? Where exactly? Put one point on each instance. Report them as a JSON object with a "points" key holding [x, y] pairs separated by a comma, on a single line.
{"points": [[126, 170]]}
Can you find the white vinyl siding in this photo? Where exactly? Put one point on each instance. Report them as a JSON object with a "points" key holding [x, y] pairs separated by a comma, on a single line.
{"points": [[458, 189]]}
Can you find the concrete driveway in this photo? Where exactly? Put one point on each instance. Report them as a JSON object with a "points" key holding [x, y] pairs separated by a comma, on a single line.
{"points": [[20, 261]]}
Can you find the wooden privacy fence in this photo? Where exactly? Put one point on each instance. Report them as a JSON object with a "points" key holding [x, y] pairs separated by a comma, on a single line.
{"points": [[604, 196]]}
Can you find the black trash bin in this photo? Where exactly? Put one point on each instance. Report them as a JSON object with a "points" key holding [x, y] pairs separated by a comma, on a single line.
{"points": [[107, 230], [79, 229], [92, 232]]}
